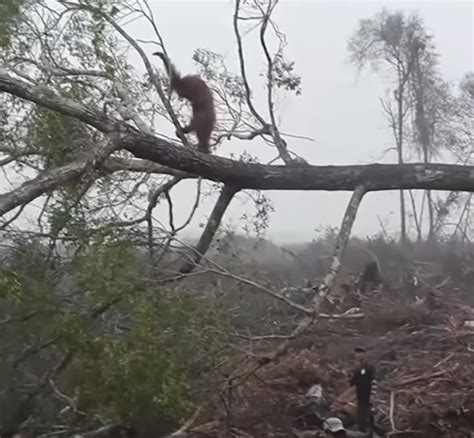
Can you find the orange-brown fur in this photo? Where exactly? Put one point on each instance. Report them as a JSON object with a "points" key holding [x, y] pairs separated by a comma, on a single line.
{"points": [[194, 89]]}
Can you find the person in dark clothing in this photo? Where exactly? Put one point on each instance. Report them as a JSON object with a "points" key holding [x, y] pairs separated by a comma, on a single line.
{"points": [[365, 384], [370, 277]]}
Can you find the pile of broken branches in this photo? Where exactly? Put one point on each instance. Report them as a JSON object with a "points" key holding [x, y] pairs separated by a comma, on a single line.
{"points": [[424, 359]]}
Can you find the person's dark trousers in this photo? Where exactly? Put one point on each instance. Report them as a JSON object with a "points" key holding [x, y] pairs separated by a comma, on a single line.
{"points": [[363, 412]]}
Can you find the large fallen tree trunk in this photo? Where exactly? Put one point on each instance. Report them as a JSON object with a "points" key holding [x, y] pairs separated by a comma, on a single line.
{"points": [[374, 177], [248, 175]]}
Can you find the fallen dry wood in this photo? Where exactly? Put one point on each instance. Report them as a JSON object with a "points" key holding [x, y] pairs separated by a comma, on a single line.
{"points": [[416, 379]]}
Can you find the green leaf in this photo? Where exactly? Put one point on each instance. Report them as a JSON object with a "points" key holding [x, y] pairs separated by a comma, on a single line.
{"points": [[10, 11], [10, 286]]}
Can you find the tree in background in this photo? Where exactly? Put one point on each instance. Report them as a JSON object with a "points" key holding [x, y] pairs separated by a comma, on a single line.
{"points": [[431, 112], [421, 108], [454, 131], [396, 42], [386, 40]]}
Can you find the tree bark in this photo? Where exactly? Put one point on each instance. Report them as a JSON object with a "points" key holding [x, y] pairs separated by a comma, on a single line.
{"points": [[325, 289], [340, 247], [374, 177], [430, 207], [209, 232], [237, 174], [400, 109]]}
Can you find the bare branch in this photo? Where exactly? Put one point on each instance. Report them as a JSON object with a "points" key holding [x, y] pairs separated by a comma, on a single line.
{"points": [[249, 136], [62, 71], [194, 207], [141, 53], [13, 218], [279, 142], [25, 317], [261, 288], [45, 97], [243, 73], [41, 184], [115, 164], [324, 289]]}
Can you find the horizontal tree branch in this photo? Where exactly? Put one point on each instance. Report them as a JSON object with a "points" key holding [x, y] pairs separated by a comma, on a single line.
{"points": [[46, 97], [43, 183], [114, 164], [374, 177], [250, 175], [52, 179]]}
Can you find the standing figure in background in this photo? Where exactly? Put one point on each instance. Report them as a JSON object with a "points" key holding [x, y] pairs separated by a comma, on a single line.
{"points": [[370, 277], [365, 384]]}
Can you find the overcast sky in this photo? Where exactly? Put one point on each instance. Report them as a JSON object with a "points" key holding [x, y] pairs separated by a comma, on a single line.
{"points": [[338, 108]]}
